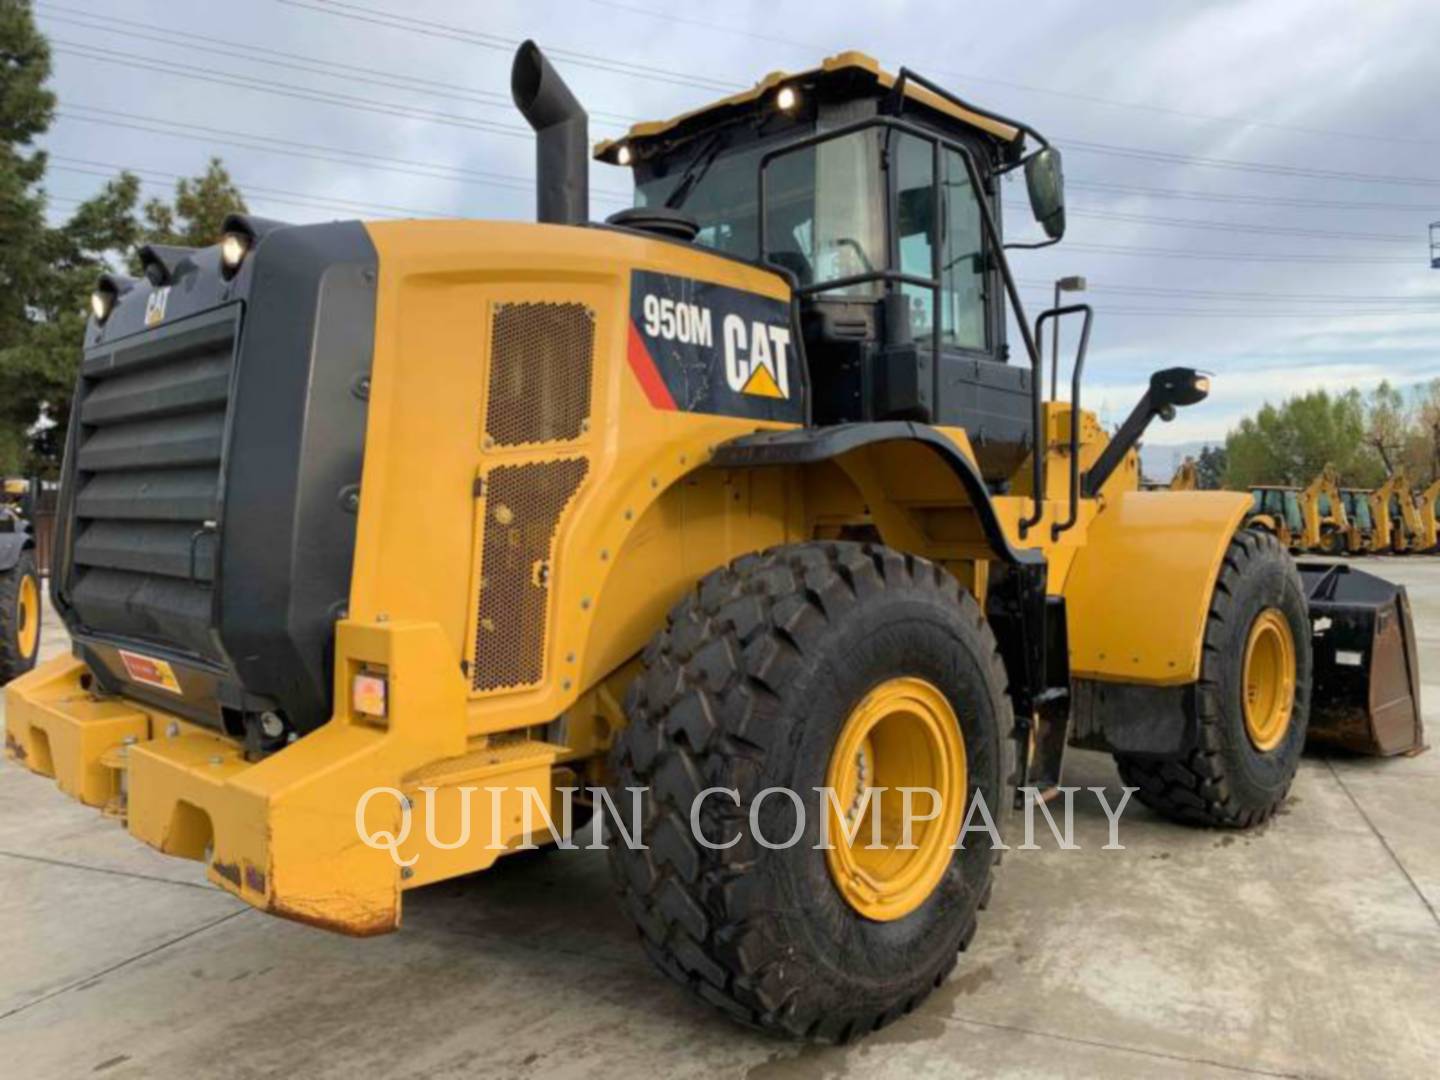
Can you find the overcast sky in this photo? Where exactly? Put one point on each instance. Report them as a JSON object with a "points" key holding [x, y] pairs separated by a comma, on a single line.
{"points": [[372, 108]]}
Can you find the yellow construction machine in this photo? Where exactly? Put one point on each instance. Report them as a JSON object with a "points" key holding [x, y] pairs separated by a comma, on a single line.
{"points": [[1276, 509], [731, 512], [1396, 521], [1360, 533], [1429, 522], [1325, 524], [1187, 476]]}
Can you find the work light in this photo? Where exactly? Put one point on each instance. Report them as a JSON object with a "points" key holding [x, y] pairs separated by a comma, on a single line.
{"points": [[233, 249], [102, 302]]}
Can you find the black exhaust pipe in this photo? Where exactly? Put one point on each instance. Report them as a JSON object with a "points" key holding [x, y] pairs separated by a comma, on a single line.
{"points": [[562, 138]]}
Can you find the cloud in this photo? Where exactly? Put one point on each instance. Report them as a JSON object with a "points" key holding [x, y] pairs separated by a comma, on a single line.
{"points": [[1326, 65]]}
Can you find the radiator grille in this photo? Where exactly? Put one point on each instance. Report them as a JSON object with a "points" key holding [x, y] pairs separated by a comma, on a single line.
{"points": [[151, 419], [541, 356], [523, 504]]}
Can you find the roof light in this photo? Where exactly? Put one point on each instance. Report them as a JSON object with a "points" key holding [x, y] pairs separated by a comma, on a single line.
{"points": [[623, 155], [233, 249], [102, 302], [787, 98]]}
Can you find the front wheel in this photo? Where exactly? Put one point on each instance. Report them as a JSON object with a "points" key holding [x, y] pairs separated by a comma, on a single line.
{"points": [[836, 666], [1252, 704], [19, 617]]}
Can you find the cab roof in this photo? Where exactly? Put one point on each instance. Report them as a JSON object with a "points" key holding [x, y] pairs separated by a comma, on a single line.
{"points": [[852, 64]]}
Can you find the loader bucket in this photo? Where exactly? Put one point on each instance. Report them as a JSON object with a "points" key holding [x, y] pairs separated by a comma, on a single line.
{"points": [[1366, 692]]}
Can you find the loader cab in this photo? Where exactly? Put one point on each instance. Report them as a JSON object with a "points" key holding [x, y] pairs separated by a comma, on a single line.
{"points": [[867, 190], [1357, 508]]}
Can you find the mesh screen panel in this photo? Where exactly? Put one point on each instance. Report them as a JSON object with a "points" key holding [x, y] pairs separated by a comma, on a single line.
{"points": [[523, 504], [541, 356]]}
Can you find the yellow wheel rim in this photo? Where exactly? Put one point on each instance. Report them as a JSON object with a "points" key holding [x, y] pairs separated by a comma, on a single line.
{"points": [[903, 734], [1269, 679], [27, 619]]}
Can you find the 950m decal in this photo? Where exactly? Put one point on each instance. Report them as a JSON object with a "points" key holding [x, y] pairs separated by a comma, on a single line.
{"points": [[699, 347]]}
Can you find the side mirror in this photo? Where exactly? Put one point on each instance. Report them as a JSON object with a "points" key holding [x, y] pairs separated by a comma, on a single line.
{"points": [[1045, 180]]}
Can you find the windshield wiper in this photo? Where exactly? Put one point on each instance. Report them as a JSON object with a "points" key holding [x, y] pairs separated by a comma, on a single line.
{"points": [[694, 173]]}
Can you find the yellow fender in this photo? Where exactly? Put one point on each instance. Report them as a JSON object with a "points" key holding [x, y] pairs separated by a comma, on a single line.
{"points": [[1139, 591]]}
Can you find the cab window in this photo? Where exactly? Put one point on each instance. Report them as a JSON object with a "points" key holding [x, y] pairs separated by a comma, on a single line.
{"points": [[962, 263]]}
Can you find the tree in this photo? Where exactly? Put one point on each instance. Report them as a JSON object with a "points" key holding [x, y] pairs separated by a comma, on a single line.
{"points": [[26, 109], [1210, 468], [1388, 424], [1290, 443], [47, 273], [198, 212]]}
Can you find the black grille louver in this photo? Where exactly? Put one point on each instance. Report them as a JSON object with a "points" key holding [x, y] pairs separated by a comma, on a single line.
{"points": [[152, 418]]}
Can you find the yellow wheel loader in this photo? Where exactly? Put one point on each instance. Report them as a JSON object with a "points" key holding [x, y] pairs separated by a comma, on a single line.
{"points": [[19, 585], [732, 512], [1326, 526]]}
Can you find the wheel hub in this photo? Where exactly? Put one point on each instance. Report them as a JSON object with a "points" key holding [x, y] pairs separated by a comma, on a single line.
{"points": [[903, 734], [27, 617], [1268, 680]]}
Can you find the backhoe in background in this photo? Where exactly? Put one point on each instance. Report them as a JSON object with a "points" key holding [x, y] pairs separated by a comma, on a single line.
{"points": [[738, 490], [1429, 524], [1187, 476], [1360, 533], [1397, 527], [1276, 509], [1325, 525]]}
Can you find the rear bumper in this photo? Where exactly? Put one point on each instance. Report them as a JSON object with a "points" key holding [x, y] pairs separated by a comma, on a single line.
{"points": [[287, 834]]}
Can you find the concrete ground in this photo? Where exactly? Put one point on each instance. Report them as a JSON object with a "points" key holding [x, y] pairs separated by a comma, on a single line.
{"points": [[1307, 948]]}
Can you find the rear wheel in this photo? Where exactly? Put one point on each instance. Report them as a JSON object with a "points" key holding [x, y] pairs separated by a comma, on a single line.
{"points": [[1252, 703], [814, 666], [19, 617], [1332, 541]]}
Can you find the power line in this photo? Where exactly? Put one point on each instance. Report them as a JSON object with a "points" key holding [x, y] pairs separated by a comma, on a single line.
{"points": [[1267, 168], [494, 41], [261, 199], [1236, 256], [286, 90], [348, 10], [1248, 200], [1234, 121], [330, 202], [1288, 316], [1247, 295], [1245, 227], [309, 151], [112, 25]]}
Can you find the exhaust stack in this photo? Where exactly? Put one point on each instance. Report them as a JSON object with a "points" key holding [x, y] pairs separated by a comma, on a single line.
{"points": [[562, 138]]}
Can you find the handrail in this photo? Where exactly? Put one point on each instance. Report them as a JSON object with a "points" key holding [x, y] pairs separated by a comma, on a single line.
{"points": [[1073, 514]]}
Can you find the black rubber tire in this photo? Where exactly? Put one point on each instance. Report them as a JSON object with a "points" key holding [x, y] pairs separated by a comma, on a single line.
{"points": [[1332, 542], [1227, 782], [13, 661], [747, 687]]}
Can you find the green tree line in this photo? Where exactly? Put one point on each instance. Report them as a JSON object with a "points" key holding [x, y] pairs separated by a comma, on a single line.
{"points": [[1365, 436], [47, 270]]}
